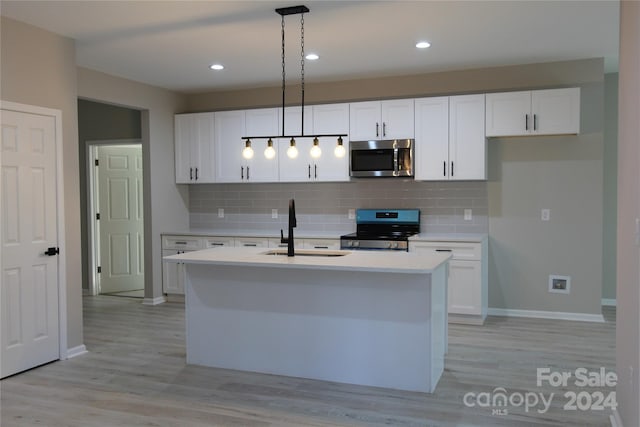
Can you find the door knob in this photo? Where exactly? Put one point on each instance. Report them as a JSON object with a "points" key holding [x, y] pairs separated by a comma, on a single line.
{"points": [[52, 251]]}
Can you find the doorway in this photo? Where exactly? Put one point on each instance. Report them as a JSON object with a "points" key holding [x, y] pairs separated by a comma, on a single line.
{"points": [[116, 231]]}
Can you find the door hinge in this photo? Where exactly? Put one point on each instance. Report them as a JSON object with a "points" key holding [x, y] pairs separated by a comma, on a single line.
{"points": [[97, 216], [99, 269], [97, 162]]}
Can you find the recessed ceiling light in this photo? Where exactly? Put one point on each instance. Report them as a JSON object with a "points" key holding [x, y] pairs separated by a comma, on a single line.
{"points": [[423, 45], [217, 67], [312, 57]]}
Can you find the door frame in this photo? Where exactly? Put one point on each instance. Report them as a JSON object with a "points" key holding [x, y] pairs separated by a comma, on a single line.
{"points": [[62, 259], [93, 227]]}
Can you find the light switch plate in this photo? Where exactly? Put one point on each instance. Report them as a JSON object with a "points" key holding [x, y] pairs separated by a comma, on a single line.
{"points": [[274, 213], [352, 214], [545, 214], [220, 213], [468, 214]]}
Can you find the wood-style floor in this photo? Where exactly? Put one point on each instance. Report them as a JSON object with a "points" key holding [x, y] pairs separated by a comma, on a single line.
{"points": [[135, 375]]}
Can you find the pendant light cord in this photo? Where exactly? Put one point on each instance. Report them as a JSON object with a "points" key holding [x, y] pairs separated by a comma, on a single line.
{"points": [[302, 68], [283, 76]]}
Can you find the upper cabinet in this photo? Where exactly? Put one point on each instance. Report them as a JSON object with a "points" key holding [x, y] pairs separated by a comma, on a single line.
{"points": [[330, 119], [194, 150], [381, 120], [293, 120], [305, 168], [538, 112], [450, 141]]}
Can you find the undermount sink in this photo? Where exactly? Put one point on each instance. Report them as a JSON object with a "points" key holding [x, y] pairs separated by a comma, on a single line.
{"points": [[309, 252]]}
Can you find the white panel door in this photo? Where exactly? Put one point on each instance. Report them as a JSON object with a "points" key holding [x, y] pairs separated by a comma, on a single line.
{"points": [[121, 218], [29, 282]]}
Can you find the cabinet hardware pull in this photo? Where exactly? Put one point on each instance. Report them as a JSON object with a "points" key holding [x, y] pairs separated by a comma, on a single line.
{"points": [[444, 250], [377, 129], [250, 244], [190, 174], [321, 247], [315, 171], [241, 172], [451, 168], [216, 244], [444, 168], [309, 171], [526, 122], [247, 172], [196, 174], [384, 128], [535, 122], [181, 243]]}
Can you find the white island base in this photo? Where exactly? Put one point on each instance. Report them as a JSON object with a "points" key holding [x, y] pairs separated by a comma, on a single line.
{"points": [[373, 328]]}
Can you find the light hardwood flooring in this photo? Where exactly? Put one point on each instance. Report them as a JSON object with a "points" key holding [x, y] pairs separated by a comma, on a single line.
{"points": [[135, 375]]}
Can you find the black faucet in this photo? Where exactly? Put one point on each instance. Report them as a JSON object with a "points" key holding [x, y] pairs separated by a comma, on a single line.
{"points": [[292, 223]]}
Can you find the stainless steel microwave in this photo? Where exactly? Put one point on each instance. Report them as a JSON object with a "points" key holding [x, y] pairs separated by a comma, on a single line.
{"points": [[383, 158]]}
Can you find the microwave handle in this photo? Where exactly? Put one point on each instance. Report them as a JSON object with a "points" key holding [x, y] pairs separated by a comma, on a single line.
{"points": [[395, 161]]}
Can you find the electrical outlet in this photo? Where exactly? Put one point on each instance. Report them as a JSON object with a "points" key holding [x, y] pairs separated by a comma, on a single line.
{"points": [[274, 213], [352, 214], [468, 214], [545, 214], [220, 213]]}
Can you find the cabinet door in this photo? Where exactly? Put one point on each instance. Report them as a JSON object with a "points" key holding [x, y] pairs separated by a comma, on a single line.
{"points": [[218, 242], [365, 121], [202, 152], [329, 167], [261, 122], [432, 139], [183, 128], [293, 120], [229, 128], [465, 288], [556, 111], [508, 113], [298, 169], [172, 274], [276, 243], [330, 118], [259, 168], [397, 119], [467, 142]]}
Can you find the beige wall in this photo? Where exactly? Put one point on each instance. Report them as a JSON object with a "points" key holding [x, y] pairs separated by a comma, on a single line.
{"points": [[564, 174], [165, 203], [39, 68], [628, 290]]}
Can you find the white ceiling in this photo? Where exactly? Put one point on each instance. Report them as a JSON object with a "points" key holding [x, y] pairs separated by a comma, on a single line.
{"points": [[171, 43]]}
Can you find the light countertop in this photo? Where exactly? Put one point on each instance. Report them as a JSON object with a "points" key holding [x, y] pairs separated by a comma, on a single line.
{"points": [[265, 234], [365, 261], [449, 237]]}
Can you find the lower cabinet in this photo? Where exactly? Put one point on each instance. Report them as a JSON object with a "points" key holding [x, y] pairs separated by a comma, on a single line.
{"points": [[468, 278]]}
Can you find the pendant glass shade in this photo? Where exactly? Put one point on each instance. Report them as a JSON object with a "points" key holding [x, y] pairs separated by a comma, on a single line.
{"points": [[269, 152], [292, 151], [316, 152], [339, 151], [247, 152]]}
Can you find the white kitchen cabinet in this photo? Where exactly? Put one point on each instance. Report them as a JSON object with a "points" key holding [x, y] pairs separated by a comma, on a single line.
{"points": [[450, 138], [251, 242], [218, 242], [305, 168], [393, 119], [321, 244], [173, 273], [276, 243], [194, 148], [293, 120], [468, 278], [261, 122], [331, 119], [538, 112]]}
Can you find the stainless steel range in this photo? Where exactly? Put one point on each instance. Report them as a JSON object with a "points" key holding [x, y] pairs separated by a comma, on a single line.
{"points": [[383, 229]]}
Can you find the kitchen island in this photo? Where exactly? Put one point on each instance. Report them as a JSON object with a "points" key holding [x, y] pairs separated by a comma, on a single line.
{"points": [[367, 318]]}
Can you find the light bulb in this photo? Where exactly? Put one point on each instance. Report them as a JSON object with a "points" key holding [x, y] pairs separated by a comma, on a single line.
{"points": [[339, 151], [247, 152], [292, 151], [269, 152], [315, 150]]}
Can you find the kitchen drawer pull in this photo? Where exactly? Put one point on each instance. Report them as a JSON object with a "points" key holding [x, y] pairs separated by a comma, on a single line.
{"points": [[444, 250], [216, 244], [250, 244], [180, 243], [321, 247]]}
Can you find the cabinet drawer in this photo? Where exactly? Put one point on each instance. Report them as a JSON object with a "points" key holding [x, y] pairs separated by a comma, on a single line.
{"points": [[215, 242], [459, 250], [182, 242], [321, 244], [251, 242], [275, 243]]}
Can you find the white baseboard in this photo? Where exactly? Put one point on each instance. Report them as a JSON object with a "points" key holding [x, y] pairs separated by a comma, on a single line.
{"points": [[76, 351], [153, 301], [558, 315], [615, 420], [609, 302]]}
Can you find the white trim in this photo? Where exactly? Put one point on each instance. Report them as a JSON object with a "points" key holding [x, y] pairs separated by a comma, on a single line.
{"points": [[609, 302], [581, 317], [153, 301], [62, 263], [76, 351], [615, 420]]}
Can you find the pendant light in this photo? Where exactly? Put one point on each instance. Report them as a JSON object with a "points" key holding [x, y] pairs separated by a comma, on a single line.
{"points": [[292, 151]]}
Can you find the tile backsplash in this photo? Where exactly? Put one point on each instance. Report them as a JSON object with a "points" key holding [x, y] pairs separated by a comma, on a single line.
{"points": [[323, 207]]}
